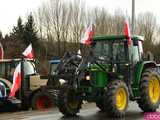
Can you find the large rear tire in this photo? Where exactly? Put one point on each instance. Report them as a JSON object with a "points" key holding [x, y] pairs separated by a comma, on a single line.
{"points": [[149, 91], [116, 99], [42, 101], [68, 102]]}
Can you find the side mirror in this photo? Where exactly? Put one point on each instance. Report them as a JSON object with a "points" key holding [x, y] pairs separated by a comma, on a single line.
{"points": [[148, 56]]}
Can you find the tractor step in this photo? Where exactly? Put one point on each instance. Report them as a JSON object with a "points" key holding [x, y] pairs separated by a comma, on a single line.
{"points": [[14, 101]]}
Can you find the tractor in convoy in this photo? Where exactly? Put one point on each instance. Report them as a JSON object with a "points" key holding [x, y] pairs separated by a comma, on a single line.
{"points": [[30, 93], [110, 73]]}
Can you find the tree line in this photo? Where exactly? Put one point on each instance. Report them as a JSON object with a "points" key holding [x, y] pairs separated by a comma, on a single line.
{"points": [[56, 26]]}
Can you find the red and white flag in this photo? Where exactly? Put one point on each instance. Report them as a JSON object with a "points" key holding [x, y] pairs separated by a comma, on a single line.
{"points": [[127, 32], [1, 51], [28, 52], [16, 81], [87, 39]]}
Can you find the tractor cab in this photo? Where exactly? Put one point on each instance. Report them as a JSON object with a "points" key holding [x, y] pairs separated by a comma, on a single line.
{"points": [[7, 68], [31, 92], [115, 52], [116, 48]]}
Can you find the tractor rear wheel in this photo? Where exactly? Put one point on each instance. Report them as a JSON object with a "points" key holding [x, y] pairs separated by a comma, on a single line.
{"points": [[68, 101], [149, 91], [116, 98], [42, 101]]}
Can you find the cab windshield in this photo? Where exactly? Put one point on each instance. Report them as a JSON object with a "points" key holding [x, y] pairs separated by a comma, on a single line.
{"points": [[53, 68], [111, 50]]}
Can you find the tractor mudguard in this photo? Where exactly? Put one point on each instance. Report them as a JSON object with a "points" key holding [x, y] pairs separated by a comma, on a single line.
{"points": [[140, 67]]}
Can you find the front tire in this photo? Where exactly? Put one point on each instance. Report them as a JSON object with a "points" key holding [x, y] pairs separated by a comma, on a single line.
{"points": [[149, 91], [42, 101], [116, 98], [68, 101]]}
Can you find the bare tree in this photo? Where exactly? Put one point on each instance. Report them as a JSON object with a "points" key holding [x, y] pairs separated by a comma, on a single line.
{"points": [[61, 24], [77, 20], [146, 25]]}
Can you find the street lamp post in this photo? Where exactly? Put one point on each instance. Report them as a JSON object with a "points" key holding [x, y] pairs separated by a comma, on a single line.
{"points": [[133, 16]]}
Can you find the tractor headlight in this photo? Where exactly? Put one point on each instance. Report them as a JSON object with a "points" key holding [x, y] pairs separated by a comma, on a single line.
{"points": [[114, 68], [88, 77], [62, 81]]}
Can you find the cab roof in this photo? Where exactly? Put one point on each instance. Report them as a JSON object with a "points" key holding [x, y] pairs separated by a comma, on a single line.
{"points": [[116, 37], [10, 60], [56, 61]]}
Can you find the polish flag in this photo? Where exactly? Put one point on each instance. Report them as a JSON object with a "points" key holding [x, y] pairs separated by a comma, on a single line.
{"points": [[16, 81], [127, 32], [87, 39], [28, 52], [1, 51]]}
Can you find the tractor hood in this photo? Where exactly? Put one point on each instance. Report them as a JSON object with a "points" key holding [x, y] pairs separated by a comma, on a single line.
{"points": [[36, 82], [99, 67]]}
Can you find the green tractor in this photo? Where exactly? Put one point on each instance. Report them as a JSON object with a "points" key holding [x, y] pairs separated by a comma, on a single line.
{"points": [[110, 74]]}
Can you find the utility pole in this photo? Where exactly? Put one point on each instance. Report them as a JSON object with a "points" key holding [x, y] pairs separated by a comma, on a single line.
{"points": [[133, 16]]}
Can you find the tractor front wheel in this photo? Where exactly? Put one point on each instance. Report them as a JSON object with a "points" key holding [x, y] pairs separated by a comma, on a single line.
{"points": [[42, 101], [116, 98], [68, 101], [149, 91]]}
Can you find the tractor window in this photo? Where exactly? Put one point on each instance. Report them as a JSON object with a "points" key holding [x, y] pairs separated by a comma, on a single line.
{"points": [[140, 48], [135, 52], [119, 51], [110, 50], [101, 50], [2, 69], [53, 68], [10, 67], [29, 68]]}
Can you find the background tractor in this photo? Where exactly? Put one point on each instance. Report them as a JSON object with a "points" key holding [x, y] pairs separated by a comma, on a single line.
{"points": [[110, 73], [31, 93]]}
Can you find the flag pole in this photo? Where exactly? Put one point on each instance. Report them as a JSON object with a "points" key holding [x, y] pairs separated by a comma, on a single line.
{"points": [[22, 83]]}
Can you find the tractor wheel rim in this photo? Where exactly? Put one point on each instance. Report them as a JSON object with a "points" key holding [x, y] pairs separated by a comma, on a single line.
{"points": [[73, 102], [43, 103], [121, 99], [154, 89]]}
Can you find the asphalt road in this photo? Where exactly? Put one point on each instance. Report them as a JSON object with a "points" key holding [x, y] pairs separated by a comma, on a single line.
{"points": [[88, 112]]}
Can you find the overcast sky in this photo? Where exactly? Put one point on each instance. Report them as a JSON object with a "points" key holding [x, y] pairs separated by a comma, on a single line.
{"points": [[10, 10]]}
